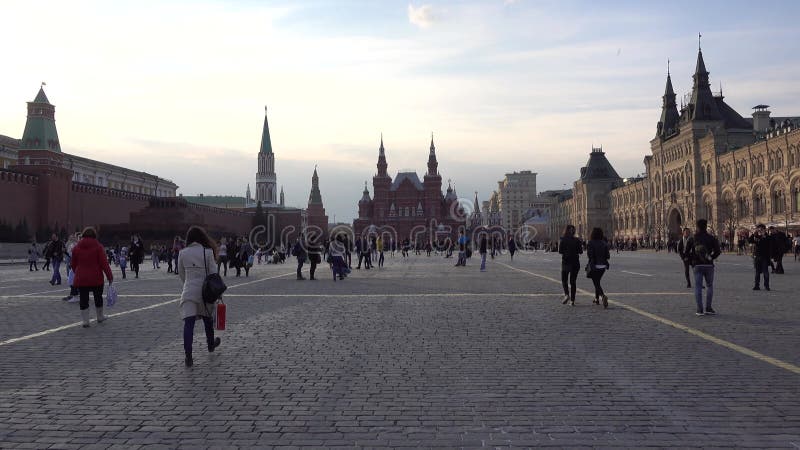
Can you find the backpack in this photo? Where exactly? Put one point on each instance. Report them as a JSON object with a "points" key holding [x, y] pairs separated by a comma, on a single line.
{"points": [[702, 254]]}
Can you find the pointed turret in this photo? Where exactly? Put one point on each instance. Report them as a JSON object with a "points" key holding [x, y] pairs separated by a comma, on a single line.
{"points": [[266, 186], [382, 165], [282, 198], [433, 165], [40, 128], [315, 197], [247, 194], [476, 205], [668, 125], [703, 106], [266, 142], [316, 211], [365, 195]]}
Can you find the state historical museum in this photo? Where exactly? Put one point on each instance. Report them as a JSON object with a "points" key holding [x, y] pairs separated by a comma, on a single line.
{"points": [[409, 208]]}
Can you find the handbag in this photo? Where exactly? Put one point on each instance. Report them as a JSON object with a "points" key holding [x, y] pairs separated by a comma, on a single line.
{"points": [[213, 286], [111, 296]]}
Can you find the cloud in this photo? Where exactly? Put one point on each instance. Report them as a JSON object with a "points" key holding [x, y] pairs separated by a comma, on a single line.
{"points": [[422, 16]]}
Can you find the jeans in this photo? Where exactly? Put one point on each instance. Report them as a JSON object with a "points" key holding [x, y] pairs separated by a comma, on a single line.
{"points": [[56, 279], [686, 272], [700, 273], [762, 267], [97, 291], [380, 260], [223, 262], [188, 332], [596, 275], [462, 259], [483, 261], [300, 262], [779, 263], [570, 272]]}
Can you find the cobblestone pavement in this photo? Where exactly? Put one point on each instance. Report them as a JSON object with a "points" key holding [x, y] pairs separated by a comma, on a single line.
{"points": [[418, 354]]}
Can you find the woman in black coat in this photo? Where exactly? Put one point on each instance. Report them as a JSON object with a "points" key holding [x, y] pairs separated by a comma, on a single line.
{"points": [[136, 253], [569, 247], [597, 250]]}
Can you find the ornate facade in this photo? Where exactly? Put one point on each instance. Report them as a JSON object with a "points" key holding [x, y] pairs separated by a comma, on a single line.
{"points": [[706, 161], [407, 206]]}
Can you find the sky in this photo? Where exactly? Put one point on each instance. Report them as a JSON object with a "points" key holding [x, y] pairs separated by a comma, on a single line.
{"points": [[178, 88]]}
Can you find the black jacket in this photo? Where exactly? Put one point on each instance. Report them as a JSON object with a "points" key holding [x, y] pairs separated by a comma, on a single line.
{"points": [[570, 247], [597, 251], [682, 250], [703, 249], [762, 246]]}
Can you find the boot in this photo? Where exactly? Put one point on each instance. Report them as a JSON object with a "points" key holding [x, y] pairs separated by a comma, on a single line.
{"points": [[85, 316], [100, 316], [188, 361]]}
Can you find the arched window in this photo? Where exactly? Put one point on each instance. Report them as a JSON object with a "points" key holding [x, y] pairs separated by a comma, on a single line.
{"points": [[778, 201]]}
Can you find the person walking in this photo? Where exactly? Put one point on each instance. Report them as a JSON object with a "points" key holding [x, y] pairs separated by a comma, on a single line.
{"points": [[569, 247], [512, 247], [598, 253], [154, 250], [245, 258], [57, 251], [136, 252], [779, 248], [762, 251], [482, 249], [33, 257], [379, 243], [336, 250], [462, 249], [314, 254], [90, 264], [73, 296], [703, 250], [177, 246], [683, 252], [299, 252], [223, 257], [124, 255], [195, 263]]}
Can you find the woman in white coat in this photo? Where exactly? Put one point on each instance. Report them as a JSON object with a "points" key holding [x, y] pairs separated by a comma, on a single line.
{"points": [[195, 262]]}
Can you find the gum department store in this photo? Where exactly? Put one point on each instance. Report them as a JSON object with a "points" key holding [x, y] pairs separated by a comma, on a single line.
{"points": [[706, 161]]}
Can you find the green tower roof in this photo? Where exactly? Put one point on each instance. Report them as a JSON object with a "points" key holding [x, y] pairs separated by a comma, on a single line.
{"points": [[266, 142], [40, 128]]}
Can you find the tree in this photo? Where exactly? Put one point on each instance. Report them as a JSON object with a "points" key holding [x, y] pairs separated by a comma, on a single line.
{"points": [[729, 217]]}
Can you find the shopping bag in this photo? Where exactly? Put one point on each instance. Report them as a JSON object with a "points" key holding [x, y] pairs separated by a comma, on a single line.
{"points": [[71, 278], [111, 296], [220, 316]]}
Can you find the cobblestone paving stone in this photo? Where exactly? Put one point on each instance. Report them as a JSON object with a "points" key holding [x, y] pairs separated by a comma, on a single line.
{"points": [[419, 354]]}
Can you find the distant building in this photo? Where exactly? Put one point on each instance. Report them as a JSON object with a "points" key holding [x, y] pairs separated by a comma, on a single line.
{"points": [[706, 161], [516, 193], [407, 206]]}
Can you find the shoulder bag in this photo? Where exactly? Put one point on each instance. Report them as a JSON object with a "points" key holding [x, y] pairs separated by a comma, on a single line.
{"points": [[213, 286]]}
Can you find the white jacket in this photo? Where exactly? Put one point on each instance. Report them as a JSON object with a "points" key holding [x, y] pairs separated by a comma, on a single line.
{"points": [[193, 273]]}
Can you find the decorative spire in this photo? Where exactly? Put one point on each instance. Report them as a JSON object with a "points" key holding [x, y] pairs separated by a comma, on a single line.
{"points": [[365, 194], [668, 124], [315, 197], [382, 165], [266, 142], [433, 165], [703, 105], [282, 199], [476, 206]]}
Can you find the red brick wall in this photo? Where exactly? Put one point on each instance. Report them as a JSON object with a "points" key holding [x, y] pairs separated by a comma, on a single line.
{"points": [[18, 198], [93, 205]]}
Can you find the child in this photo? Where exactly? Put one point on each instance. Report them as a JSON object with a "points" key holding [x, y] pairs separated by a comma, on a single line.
{"points": [[123, 260]]}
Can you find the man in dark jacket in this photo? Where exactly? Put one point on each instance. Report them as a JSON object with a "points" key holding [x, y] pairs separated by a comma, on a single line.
{"points": [[299, 252], [703, 249], [778, 249], [56, 250], [684, 254], [762, 250], [569, 247]]}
